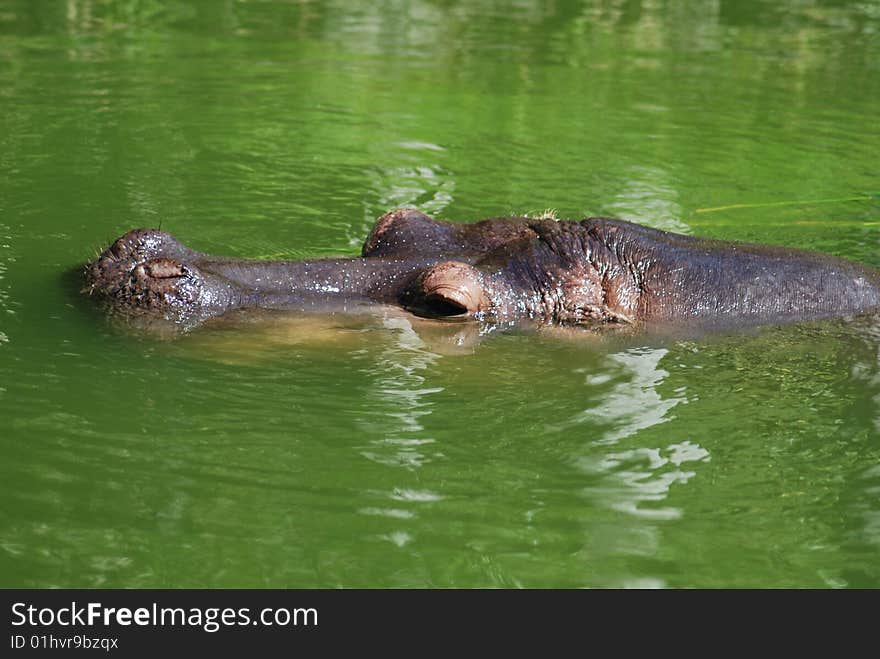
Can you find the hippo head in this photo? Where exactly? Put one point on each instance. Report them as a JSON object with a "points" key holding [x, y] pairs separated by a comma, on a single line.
{"points": [[501, 269]]}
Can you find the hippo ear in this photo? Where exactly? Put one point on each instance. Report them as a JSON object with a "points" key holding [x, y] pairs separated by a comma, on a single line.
{"points": [[450, 288], [404, 231]]}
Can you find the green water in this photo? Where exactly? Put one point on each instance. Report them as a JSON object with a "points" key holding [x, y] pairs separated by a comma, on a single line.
{"points": [[351, 452]]}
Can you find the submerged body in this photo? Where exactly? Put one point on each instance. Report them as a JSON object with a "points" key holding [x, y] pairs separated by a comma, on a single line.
{"points": [[594, 270]]}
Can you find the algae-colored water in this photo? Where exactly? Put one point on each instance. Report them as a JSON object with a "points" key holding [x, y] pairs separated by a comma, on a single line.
{"points": [[351, 452]]}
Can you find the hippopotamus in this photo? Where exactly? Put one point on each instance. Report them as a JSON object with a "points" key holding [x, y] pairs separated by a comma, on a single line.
{"points": [[597, 270]]}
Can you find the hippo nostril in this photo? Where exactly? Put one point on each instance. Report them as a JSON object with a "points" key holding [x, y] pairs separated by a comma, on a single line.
{"points": [[164, 269]]}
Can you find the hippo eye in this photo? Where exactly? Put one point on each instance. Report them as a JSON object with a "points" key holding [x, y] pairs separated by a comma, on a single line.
{"points": [[449, 288], [442, 306]]}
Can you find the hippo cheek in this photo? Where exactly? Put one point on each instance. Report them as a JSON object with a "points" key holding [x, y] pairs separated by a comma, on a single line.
{"points": [[450, 288]]}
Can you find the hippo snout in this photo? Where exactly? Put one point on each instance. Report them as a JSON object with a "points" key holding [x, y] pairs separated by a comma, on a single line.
{"points": [[138, 245], [146, 268]]}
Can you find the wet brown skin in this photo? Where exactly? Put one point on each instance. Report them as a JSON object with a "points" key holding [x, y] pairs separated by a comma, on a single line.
{"points": [[594, 270]]}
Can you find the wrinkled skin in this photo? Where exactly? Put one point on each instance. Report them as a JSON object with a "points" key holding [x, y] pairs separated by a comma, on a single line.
{"points": [[556, 271]]}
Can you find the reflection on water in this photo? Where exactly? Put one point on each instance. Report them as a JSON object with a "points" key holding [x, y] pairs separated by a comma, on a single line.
{"points": [[643, 475], [401, 399], [633, 481], [6, 257], [634, 402], [400, 403]]}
